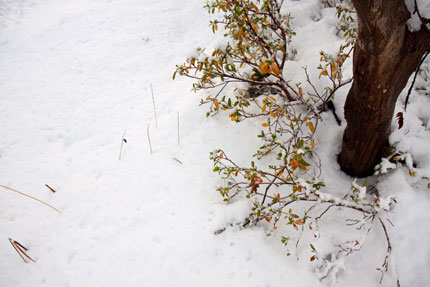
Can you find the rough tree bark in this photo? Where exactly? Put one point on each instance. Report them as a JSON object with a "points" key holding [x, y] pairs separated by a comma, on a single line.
{"points": [[386, 53]]}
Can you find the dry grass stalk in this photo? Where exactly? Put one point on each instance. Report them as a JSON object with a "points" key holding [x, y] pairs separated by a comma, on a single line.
{"points": [[50, 188], [149, 139], [34, 198], [153, 103], [19, 248], [123, 140]]}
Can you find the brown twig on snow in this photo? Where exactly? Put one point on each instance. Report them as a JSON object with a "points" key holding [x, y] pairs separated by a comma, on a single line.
{"points": [[19, 248], [34, 198], [50, 188]]}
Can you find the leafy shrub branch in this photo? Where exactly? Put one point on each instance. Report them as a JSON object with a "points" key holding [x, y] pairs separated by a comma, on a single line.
{"points": [[254, 59]]}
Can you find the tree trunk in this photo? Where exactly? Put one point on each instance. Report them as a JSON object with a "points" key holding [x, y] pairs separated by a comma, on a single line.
{"points": [[385, 55]]}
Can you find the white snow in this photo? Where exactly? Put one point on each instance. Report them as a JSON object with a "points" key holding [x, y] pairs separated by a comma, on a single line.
{"points": [[75, 76], [423, 6]]}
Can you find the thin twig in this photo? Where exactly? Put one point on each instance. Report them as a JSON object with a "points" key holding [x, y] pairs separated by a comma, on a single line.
{"points": [[123, 140], [415, 77], [50, 188], [19, 249], [385, 264], [149, 139], [153, 103], [34, 198], [177, 160]]}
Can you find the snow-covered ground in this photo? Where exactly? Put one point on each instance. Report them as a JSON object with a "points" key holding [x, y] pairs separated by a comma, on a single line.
{"points": [[75, 79]]}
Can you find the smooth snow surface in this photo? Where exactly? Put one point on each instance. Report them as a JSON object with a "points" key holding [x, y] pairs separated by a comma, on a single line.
{"points": [[75, 76]]}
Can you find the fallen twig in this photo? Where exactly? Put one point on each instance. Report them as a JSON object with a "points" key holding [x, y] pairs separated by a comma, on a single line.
{"points": [[19, 248], [14, 190], [153, 103], [149, 139], [123, 140], [50, 188]]}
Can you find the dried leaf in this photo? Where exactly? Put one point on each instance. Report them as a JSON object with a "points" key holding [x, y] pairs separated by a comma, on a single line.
{"points": [[275, 69], [265, 68], [216, 103], [311, 126]]}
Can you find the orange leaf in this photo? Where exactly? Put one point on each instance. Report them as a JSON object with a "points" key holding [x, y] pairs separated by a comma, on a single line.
{"points": [[216, 103], [275, 69], [298, 222], [258, 179], [267, 218], [301, 92], [313, 258], [265, 68], [311, 126], [263, 109], [265, 124], [272, 114], [324, 73]]}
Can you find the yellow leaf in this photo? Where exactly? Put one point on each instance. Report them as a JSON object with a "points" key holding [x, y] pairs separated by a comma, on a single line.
{"points": [[272, 114], [216, 103], [265, 68], [263, 109], [174, 75], [275, 69], [332, 67], [265, 124], [273, 99], [215, 27], [233, 118], [323, 73], [311, 126]]}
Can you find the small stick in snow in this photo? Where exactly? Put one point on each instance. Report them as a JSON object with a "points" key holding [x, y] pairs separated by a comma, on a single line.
{"points": [[153, 103], [50, 188], [178, 127], [177, 160], [19, 249], [123, 140], [149, 139], [19, 192]]}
